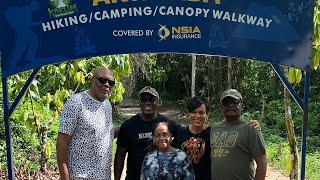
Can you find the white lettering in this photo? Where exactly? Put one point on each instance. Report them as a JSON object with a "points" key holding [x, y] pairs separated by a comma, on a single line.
{"points": [[96, 14], [46, 26], [128, 33], [268, 21]]}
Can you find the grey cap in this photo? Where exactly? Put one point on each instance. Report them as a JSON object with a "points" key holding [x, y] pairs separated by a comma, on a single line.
{"points": [[231, 93], [149, 90]]}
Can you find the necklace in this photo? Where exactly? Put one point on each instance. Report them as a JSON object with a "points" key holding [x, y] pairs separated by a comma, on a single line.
{"points": [[195, 135]]}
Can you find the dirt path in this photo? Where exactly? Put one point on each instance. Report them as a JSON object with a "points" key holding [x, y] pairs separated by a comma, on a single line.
{"points": [[272, 173]]}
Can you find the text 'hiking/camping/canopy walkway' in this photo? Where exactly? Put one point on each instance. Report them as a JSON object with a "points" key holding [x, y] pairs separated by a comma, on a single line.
{"points": [[36, 33]]}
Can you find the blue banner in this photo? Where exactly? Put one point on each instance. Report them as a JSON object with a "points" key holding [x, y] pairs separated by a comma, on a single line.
{"points": [[36, 33]]}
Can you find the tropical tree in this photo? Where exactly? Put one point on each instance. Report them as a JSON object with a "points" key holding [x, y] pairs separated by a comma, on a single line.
{"points": [[294, 77]]}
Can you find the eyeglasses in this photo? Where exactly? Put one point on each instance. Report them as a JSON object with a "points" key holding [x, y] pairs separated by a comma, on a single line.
{"points": [[229, 102], [105, 80], [163, 135], [148, 99]]}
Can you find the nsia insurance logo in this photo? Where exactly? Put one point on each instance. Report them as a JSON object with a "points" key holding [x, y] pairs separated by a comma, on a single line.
{"points": [[179, 32], [61, 8], [163, 32]]}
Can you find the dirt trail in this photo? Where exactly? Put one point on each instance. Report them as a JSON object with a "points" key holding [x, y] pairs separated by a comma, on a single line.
{"points": [[272, 173]]}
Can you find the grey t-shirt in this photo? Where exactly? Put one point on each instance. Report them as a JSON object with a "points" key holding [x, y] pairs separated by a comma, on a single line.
{"points": [[89, 123], [233, 148]]}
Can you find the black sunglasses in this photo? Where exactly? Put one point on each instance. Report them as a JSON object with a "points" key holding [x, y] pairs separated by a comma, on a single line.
{"points": [[105, 80], [150, 99], [228, 102]]}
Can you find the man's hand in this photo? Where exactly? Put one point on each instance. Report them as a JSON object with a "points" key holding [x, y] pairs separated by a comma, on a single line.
{"points": [[261, 170], [255, 124], [119, 162], [116, 131], [62, 155]]}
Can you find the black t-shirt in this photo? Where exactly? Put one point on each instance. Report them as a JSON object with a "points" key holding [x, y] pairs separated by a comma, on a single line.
{"points": [[197, 147], [136, 136]]}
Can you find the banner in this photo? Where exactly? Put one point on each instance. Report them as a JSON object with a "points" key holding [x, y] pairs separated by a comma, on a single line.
{"points": [[36, 33]]}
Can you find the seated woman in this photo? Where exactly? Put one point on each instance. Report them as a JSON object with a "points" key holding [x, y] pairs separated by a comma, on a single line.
{"points": [[165, 161]]}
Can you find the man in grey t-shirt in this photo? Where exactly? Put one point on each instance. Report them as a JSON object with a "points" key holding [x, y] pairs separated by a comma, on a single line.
{"points": [[234, 144], [84, 144]]}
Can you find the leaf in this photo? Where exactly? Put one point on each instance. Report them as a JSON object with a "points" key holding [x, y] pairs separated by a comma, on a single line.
{"points": [[55, 114], [24, 116], [289, 165], [294, 75], [48, 98], [38, 121], [32, 94], [298, 75], [48, 149], [291, 75], [79, 77], [64, 78], [59, 104], [62, 66], [315, 58]]}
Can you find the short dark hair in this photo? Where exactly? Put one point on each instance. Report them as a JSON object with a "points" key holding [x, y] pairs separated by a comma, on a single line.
{"points": [[196, 102]]}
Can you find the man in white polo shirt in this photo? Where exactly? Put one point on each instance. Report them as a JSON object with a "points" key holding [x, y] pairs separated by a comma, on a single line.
{"points": [[84, 144]]}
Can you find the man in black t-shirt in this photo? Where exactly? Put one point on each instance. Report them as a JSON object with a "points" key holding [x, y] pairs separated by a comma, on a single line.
{"points": [[135, 135]]}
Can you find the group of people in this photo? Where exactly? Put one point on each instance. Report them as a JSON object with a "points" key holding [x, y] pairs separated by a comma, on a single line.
{"points": [[156, 147]]}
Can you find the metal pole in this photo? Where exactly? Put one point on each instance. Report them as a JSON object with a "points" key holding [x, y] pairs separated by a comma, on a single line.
{"points": [[305, 124], [7, 127], [23, 90]]}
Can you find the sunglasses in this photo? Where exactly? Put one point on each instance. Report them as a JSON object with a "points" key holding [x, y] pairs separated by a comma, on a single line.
{"points": [[105, 80], [230, 102], [148, 99]]}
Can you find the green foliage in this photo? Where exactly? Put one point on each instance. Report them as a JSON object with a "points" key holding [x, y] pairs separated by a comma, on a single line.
{"points": [[259, 83], [215, 117], [118, 119], [294, 75], [166, 72], [2, 132], [278, 155], [117, 91], [26, 143], [274, 117], [316, 37], [313, 165], [314, 116], [114, 146], [44, 100]]}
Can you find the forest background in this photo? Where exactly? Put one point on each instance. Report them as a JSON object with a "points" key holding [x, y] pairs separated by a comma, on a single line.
{"points": [[34, 124]]}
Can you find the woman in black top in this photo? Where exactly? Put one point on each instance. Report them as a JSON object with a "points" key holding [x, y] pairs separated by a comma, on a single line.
{"points": [[195, 138]]}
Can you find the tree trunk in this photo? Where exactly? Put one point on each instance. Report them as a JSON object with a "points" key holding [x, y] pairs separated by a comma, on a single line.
{"points": [[230, 69], [294, 173], [193, 75], [44, 157]]}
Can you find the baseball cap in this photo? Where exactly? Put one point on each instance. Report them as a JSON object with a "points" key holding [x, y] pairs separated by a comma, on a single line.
{"points": [[231, 93], [149, 90]]}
